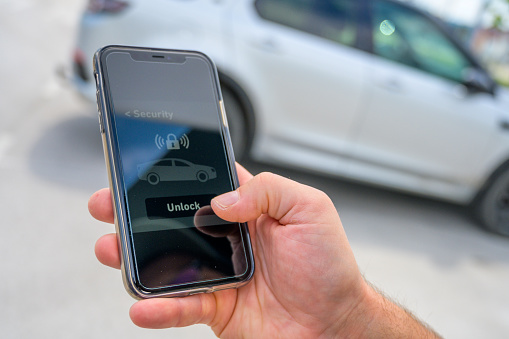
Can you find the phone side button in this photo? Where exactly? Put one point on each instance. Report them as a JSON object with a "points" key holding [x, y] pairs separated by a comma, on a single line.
{"points": [[101, 125]]}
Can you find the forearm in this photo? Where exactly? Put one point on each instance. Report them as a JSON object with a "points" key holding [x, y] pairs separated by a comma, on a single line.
{"points": [[378, 317]]}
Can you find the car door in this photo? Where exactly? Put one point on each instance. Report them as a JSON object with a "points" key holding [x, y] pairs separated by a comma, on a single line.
{"points": [[298, 62], [421, 131], [183, 170]]}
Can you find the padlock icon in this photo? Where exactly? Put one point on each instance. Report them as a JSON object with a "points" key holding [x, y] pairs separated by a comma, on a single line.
{"points": [[172, 142]]}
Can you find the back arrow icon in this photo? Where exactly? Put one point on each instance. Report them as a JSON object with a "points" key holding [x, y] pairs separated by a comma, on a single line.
{"points": [[128, 113]]}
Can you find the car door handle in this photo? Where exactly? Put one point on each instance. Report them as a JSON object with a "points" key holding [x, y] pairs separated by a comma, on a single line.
{"points": [[268, 45], [392, 85]]}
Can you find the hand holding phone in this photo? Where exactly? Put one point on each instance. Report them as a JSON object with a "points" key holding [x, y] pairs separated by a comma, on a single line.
{"points": [[172, 243], [307, 284]]}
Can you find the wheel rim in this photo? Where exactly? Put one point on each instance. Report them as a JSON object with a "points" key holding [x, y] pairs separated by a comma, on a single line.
{"points": [[202, 176], [153, 178]]}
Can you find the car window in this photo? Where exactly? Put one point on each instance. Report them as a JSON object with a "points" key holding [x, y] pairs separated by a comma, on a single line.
{"points": [[181, 163], [405, 36], [165, 163], [330, 19]]}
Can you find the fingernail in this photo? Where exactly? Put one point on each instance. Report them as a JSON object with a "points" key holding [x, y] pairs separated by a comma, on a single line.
{"points": [[226, 200]]}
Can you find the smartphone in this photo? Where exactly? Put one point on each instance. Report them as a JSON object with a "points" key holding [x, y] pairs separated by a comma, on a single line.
{"points": [[168, 153]]}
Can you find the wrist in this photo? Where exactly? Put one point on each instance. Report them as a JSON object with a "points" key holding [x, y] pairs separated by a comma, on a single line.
{"points": [[362, 312], [375, 316]]}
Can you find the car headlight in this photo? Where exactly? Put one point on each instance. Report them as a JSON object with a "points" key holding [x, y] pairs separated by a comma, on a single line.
{"points": [[106, 6]]}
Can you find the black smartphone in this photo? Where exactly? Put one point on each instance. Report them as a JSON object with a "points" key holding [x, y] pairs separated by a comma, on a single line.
{"points": [[168, 153]]}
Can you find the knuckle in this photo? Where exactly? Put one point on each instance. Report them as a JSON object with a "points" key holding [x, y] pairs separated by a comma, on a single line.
{"points": [[266, 177]]}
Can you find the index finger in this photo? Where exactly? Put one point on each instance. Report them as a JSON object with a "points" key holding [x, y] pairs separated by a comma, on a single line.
{"points": [[100, 205]]}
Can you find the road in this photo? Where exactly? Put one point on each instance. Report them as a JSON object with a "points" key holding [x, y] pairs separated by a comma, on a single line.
{"points": [[427, 255]]}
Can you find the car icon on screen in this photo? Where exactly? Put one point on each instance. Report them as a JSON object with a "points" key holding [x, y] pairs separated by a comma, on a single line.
{"points": [[171, 169]]}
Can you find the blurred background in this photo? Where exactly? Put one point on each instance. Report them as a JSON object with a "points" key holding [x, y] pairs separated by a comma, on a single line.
{"points": [[399, 114]]}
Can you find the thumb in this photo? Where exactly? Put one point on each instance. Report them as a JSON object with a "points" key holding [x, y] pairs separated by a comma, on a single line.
{"points": [[282, 199]]}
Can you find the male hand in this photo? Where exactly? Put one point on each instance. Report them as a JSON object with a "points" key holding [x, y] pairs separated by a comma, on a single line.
{"points": [[306, 284]]}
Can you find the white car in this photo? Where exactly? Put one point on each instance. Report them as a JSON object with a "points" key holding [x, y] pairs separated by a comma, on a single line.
{"points": [[371, 90]]}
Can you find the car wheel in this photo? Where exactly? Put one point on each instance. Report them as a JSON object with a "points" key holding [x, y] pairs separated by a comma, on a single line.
{"points": [[202, 176], [492, 208], [153, 178], [237, 123]]}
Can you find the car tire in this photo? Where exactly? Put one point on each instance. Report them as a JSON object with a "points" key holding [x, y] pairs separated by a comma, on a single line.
{"points": [[237, 122], [202, 176], [492, 207], [153, 178]]}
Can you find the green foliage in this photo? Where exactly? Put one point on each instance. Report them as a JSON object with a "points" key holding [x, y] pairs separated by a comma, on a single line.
{"points": [[500, 20]]}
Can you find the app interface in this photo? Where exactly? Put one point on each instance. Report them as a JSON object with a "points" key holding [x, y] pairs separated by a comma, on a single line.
{"points": [[173, 159]]}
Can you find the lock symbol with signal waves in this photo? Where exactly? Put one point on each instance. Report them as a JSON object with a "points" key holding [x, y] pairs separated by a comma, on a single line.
{"points": [[172, 142]]}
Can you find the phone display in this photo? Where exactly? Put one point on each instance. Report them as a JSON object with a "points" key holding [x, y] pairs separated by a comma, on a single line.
{"points": [[168, 153]]}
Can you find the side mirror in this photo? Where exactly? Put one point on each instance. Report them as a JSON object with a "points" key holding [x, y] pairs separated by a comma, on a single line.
{"points": [[477, 80]]}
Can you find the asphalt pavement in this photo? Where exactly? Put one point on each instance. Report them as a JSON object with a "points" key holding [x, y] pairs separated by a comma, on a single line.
{"points": [[427, 255]]}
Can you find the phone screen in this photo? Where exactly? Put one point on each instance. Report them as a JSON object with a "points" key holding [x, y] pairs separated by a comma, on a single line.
{"points": [[172, 159]]}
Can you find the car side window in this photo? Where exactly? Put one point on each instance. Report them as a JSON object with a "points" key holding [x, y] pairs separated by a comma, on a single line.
{"points": [[330, 19], [405, 36], [181, 163]]}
